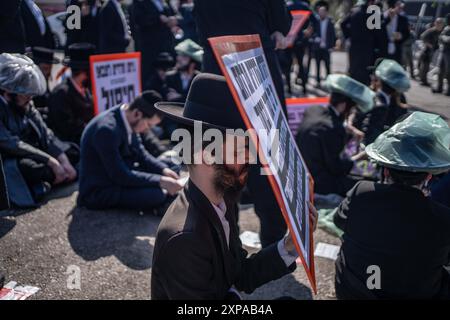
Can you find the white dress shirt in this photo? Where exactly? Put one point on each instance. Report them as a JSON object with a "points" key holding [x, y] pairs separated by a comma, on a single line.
{"points": [[127, 125], [323, 32]]}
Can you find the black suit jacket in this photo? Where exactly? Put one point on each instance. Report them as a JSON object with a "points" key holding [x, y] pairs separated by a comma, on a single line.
{"points": [[321, 139], [69, 111], [33, 36], [109, 162], [330, 35], [365, 45], [173, 81], [112, 38], [12, 35], [398, 229], [403, 29], [191, 259]]}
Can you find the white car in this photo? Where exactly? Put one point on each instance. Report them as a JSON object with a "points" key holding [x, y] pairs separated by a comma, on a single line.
{"points": [[56, 22]]}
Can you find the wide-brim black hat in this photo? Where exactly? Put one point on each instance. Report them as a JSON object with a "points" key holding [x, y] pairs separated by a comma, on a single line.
{"points": [[209, 101], [78, 55], [43, 55]]}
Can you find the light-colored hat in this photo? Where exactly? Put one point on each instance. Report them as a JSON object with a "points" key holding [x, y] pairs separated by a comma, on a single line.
{"points": [[358, 92], [20, 75], [420, 143], [393, 74], [191, 49]]}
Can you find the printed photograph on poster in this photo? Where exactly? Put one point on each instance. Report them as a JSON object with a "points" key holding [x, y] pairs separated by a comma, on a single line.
{"points": [[116, 79], [244, 65]]}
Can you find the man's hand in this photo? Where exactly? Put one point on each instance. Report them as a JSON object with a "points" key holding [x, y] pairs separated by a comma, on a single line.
{"points": [[67, 166], [173, 95], [280, 40], [164, 19], [170, 173], [58, 170], [313, 216], [170, 184]]}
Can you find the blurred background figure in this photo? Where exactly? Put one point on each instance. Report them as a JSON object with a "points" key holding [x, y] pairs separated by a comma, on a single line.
{"points": [[430, 40], [114, 32], [154, 21], [44, 58]]}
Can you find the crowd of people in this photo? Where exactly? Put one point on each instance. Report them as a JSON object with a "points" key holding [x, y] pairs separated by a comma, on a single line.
{"points": [[51, 136]]}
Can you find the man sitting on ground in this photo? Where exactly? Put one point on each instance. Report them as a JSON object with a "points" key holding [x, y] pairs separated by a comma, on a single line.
{"points": [[115, 169], [396, 242]]}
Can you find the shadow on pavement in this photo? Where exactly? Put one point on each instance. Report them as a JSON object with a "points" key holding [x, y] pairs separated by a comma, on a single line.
{"points": [[126, 235]]}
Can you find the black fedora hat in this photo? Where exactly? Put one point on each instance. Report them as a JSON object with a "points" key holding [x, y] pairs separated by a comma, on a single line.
{"points": [[78, 55], [43, 55], [209, 101], [164, 61]]}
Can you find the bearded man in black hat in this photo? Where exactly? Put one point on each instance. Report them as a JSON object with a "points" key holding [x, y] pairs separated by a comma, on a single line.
{"points": [[34, 158], [198, 254], [44, 59], [115, 169], [396, 241], [70, 103]]}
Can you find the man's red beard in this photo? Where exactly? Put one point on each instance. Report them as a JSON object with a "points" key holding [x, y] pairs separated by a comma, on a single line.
{"points": [[230, 182]]}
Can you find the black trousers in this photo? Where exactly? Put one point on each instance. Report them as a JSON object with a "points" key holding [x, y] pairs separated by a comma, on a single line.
{"points": [[35, 172], [320, 55], [444, 71]]}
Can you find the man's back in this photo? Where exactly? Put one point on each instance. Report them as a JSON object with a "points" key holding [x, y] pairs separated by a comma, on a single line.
{"points": [[398, 229]]}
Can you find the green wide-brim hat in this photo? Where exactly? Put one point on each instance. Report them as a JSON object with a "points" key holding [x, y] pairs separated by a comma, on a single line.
{"points": [[393, 74], [191, 49], [358, 92], [420, 143]]}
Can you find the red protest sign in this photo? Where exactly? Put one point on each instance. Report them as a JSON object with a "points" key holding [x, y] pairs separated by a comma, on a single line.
{"points": [[299, 18], [242, 61], [116, 79]]}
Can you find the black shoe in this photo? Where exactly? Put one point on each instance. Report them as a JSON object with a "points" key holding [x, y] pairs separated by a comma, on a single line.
{"points": [[439, 90], [41, 190]]}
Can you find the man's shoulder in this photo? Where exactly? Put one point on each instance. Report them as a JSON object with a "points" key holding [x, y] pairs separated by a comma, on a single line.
{"points": [[182, 221], [105, 123]]}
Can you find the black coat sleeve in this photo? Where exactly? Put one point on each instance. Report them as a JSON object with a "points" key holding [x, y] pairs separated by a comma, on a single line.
{"points": [[187, 273], [332, 144], [260, 268], [279, 18], [107, 142]]}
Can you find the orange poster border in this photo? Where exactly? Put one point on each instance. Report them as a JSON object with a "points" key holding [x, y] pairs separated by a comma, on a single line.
{"points": [[227, 44], [112, 57], [296, 27], [318, 100]]}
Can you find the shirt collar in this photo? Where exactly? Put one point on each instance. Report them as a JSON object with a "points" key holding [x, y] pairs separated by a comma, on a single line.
{"points": [[127, 125], [221, 209]]}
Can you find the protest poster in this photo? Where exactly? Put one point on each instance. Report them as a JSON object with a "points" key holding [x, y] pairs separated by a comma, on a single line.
{"points": [[116, 79], [299, 18], [296, 107], [242, 61]]}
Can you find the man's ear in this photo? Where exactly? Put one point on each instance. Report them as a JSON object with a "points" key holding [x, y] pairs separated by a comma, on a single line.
{"points": [[207, 157]]}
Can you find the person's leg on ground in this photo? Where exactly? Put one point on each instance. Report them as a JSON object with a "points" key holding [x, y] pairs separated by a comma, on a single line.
{"points": [[142, 199]]}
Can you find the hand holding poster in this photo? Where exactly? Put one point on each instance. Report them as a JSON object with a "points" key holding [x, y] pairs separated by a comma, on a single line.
{"points": [[242, 61], [116, 79]]}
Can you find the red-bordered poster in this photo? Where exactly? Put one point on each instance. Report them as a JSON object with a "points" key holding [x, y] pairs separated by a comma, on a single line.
{"points": [[116, 79], [242, 61], [299, 18]]}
